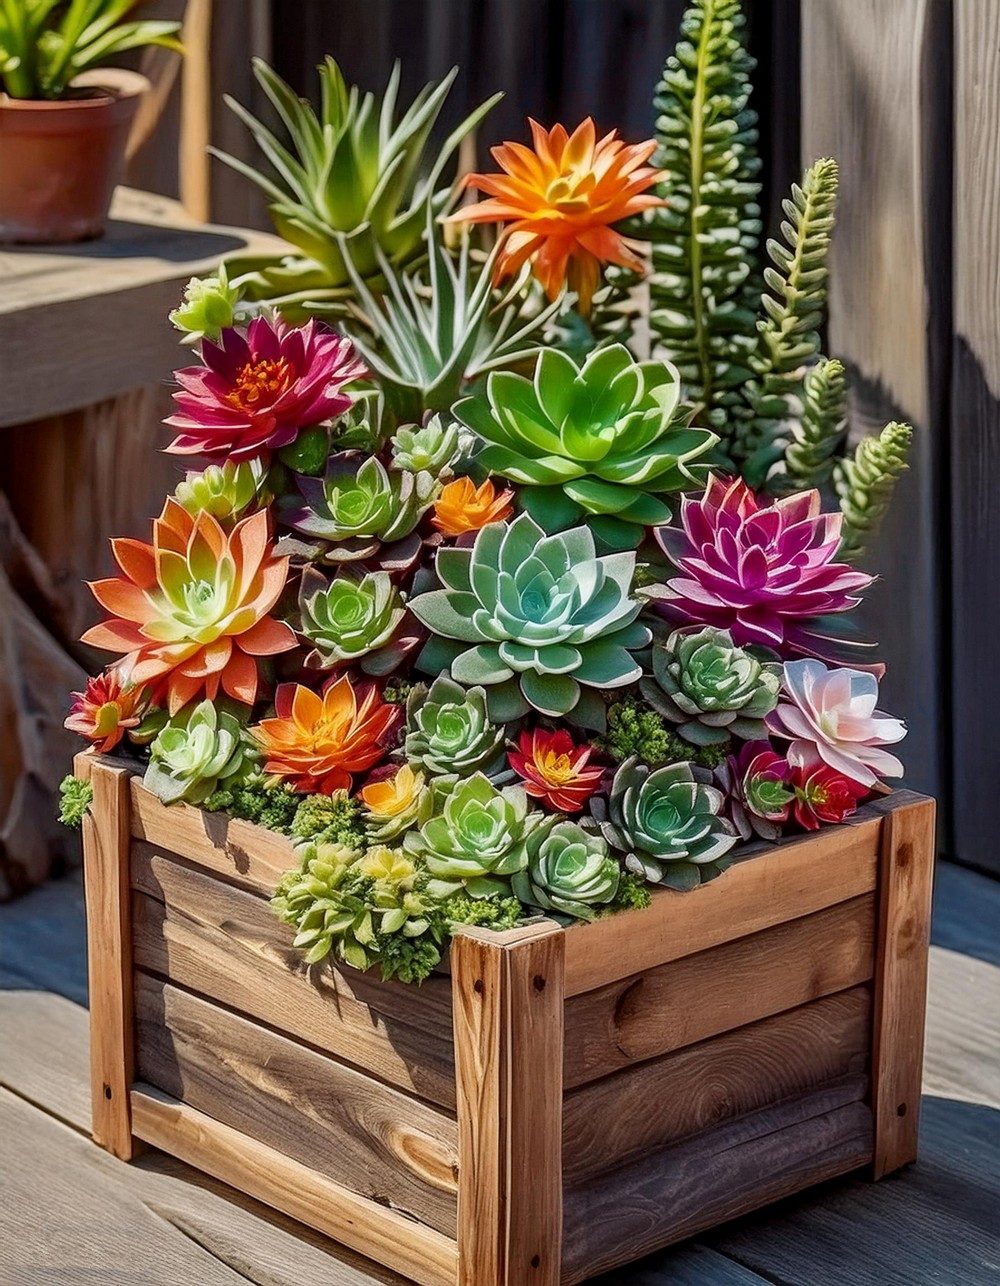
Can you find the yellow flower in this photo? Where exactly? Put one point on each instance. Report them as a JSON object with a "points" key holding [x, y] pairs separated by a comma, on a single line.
{"points": [[392, 796], [387, 864]]}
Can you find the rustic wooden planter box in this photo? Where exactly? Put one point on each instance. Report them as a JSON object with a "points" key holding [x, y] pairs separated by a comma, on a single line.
{"points": [[566, 1101]]}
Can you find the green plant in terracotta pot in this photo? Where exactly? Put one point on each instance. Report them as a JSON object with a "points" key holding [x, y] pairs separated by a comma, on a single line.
{"points": [[65, 115]]}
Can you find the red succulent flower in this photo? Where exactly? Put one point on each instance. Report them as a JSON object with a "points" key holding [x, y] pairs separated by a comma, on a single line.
{"points": [[108, 707], [555, 769], [822, 794], [257, 390]]}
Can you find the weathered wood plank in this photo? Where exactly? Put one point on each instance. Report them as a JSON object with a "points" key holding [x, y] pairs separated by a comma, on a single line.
{"points": [[660, 1102], [44, 1055], [387, 1147], [229, 946], [962, 1052], [273, 1177], [676, 1193], [789, 880], [109, 958], [905, 877], [699, 996], [508, 1044]]}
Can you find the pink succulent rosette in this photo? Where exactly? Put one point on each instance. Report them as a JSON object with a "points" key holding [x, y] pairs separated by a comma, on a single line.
{"points": [[765, 572], [257, 390], [829, 716]]}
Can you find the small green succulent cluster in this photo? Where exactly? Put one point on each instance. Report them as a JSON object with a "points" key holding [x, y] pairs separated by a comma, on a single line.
{"points": [[431, 447], [75, 798], [200, 750], [350, 621], [448, 730], [569, 871], [225, 491], [209, 305]]}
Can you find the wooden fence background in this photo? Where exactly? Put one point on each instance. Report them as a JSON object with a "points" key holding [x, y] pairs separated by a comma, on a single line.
{"points": [[906, 95]]}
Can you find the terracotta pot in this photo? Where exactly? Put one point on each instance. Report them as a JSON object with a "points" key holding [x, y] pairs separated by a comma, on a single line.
{"points": [[60, 161]]}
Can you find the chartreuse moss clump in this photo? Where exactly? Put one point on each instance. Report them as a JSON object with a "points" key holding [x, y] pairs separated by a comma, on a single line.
{"points": [[329, 819], [270, 806], [75, 797]]}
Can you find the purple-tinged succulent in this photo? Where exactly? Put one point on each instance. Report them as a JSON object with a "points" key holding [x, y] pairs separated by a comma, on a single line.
{"points": [[755, 784]]}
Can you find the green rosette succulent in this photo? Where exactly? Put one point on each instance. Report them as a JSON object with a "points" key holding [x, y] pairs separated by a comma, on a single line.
{"points": [[570, 871], [668, 825], [601, 439], [225, 491], [324, 901], [534, 619], [448, 730], [477, 837], [200, 750], [352, 621], [431, 448], [358, 507], [713, 689], [209, 305]]}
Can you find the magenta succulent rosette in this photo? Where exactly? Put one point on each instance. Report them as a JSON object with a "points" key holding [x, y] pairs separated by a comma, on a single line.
{"points": [[258, 389], [767, 572]]}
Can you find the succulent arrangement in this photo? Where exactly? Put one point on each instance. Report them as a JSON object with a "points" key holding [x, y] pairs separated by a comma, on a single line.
{"points": [[491, 613]]}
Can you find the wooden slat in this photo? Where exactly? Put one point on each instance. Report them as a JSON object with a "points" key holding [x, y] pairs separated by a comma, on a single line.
{"points": [[665, 1100], [699, 996], [508, 1043], [707, 1180], [109, 958], [905, 878], [389, 1148], [248, 855], [793, 879], [295, 1189], [228, 945]]}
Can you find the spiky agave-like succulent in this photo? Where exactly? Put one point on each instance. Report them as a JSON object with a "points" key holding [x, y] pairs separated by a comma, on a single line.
{"points": [[448, 730], [353, 621], [355, 181], [569, 871], [477, 837], [533, 618], [200, 750], [600, 439], [712, 688], [668, 824]]}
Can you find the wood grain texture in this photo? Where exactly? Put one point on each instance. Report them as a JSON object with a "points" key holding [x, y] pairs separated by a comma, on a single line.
{"points": [[388, 1148], [699, 996], [875, 92], [109, 958], [660, 1102], [905, 878], [249, 855], [228, 945], [279, 1181], [765, 888], [975, 417], [725, 1172], [508, 1044]]}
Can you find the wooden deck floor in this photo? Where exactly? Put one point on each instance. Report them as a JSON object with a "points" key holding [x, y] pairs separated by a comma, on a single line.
{"points": [[71, 1214]]}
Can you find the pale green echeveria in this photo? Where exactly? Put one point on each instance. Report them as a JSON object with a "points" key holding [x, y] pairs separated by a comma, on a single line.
{"points": [[448, 730], [352, 621], [476, 840], [712, 688], [225, 491], [358, 507], [668, 824], [436, 331], [538, 620], [602, 439], [355, 177], [208, 307], [432, 447], [200, 750], [569, 871]]}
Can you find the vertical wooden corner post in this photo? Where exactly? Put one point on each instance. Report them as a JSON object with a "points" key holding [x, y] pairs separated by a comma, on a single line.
{"points": [[106, 832], [906, 874], [508, 1013]]}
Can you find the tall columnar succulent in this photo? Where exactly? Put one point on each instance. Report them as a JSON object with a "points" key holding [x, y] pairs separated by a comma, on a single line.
{"points": [[602, 439], [865, 483], [818, 436], [570, 871], [200, 750], [356, 180], [712, 688], [669, 824], [448, 730], [352, 621], [533, 618]]}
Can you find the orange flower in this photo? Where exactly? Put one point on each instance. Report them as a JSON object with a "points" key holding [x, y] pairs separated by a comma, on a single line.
{"points": [[463, 507], [192, 608], [109, 707], [316, 743], [561, 200]]}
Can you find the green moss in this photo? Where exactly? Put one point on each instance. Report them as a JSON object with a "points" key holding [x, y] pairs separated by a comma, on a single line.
{"points": [[489, 913], [75, 797], [396, 691], [635, 728], [272, 807], [408, 959], [632, 894], [329, 819]]}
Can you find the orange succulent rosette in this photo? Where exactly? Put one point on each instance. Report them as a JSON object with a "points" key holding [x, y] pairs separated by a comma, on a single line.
{"points": [[192, 607], [462, 506], [560, 201], [315, 743]]}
